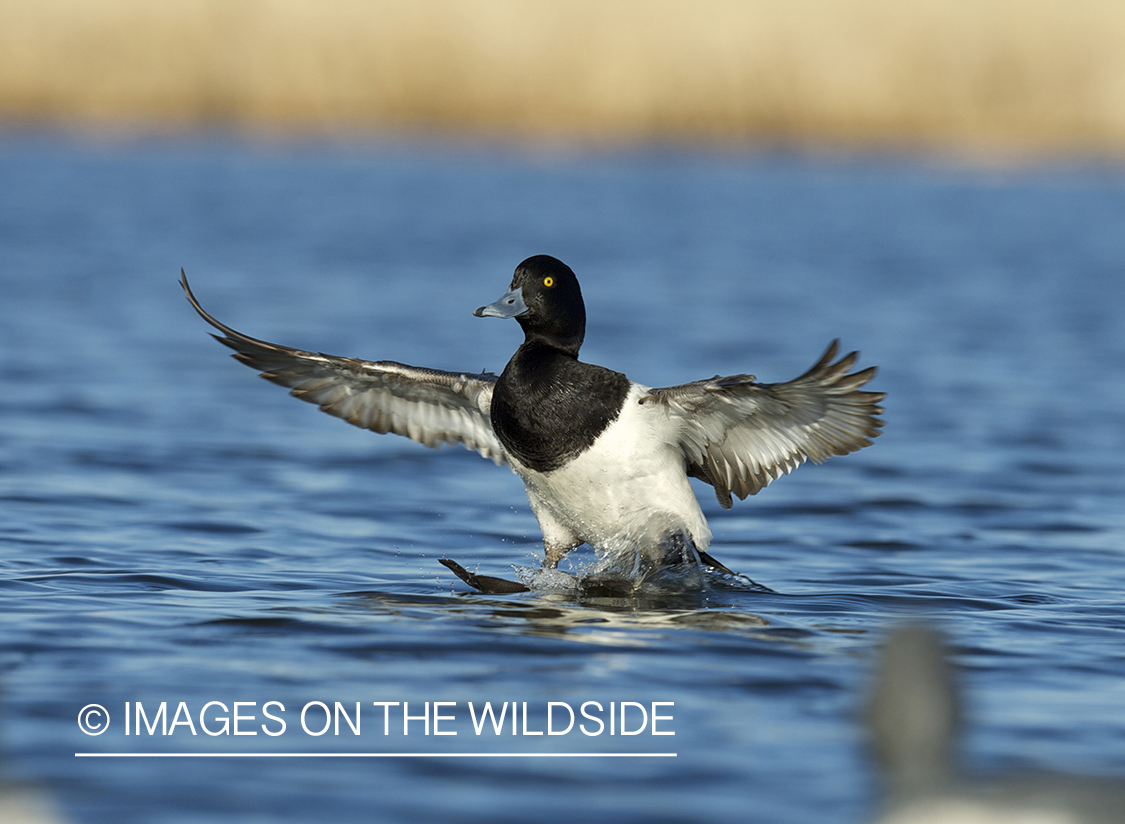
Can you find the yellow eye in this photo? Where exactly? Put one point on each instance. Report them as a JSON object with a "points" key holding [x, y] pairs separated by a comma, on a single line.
{"points": [[548, 282]]}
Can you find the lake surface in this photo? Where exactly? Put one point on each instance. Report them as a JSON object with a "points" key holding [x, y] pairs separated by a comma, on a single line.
{"points": [[174, 529]]}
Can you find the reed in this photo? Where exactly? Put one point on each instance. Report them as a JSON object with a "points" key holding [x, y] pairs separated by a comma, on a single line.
{"points": [[1008, 74]]}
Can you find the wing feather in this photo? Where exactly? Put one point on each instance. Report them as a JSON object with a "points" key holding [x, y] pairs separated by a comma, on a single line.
{"points": [[429, 406], [739, 435]]}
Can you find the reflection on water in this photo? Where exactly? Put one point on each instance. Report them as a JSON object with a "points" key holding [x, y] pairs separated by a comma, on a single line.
{"points": [[173, 531], [627, 621]]}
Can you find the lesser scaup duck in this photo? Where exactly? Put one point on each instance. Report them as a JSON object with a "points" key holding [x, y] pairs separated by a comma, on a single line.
{"points": [[605, 460]]}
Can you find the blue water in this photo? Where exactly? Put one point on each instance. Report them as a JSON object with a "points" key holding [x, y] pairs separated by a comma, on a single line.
{"points": [[173, 529]]}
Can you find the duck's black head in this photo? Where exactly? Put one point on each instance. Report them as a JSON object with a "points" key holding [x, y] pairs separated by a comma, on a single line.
{"points": [[545, 298]]}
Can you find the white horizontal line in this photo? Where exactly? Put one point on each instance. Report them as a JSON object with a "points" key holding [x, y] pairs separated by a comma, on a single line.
{"points": [[375, 755]]}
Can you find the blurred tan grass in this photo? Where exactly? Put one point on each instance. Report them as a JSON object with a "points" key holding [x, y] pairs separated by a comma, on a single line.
{"points": [[992, 74]]}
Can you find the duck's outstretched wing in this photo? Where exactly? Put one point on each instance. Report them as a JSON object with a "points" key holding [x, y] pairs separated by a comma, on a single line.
{"points": [[429, 406], [738, 435]]}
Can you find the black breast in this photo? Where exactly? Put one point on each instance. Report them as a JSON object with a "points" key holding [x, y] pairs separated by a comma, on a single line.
{"points": [[547, 407]]}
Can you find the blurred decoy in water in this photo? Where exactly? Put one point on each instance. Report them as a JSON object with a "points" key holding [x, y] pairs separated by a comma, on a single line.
{"points": [[605, 461], [22, 803], [24, 806], [914, 716]]}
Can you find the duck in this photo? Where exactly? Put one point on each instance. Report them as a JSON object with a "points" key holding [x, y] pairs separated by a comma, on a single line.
{"points": [[605, 460]]}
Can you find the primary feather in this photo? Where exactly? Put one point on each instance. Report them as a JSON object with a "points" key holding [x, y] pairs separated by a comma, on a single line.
{"points": [[429, 406], [738, 435]]}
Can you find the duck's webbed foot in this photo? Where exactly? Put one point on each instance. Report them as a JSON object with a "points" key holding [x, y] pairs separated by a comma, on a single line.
{"points": [[483, 583], [681, 559], [707, 560]]}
